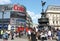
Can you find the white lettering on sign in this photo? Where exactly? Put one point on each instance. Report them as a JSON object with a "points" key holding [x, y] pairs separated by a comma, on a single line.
{"points": [[15, 7], [18, 8]]}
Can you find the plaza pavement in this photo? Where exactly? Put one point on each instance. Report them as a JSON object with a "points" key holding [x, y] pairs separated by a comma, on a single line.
{"points": [[24, 38]]}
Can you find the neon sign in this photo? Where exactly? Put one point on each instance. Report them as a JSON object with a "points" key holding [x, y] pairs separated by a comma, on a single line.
{"points": [[18, 8]]}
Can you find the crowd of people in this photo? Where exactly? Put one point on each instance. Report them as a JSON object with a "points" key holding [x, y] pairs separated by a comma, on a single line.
{"points": [[50, 34], [33, 34], [6, 34]]}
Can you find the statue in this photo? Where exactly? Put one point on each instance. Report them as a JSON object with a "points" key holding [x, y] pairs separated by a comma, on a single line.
{"points": [[43, 3], [43, 21], [43, 13]]}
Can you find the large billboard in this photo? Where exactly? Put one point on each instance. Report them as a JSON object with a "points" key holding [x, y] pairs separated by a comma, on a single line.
{"points": [[6, 7], [11, 7], [18, 8], [5, 26], [18, 21], [15, 14]]}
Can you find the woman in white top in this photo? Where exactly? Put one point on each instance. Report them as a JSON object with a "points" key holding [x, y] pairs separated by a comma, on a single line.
{"points": [[49, 35]]}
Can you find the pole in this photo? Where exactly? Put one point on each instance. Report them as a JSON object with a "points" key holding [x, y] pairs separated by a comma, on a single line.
{"points": [[3, 21]]}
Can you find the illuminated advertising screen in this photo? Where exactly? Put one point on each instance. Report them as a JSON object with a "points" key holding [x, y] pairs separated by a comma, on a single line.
{"points": [[15, 14], [15, 7], [18, 21], [6, 7], [18, 8]]}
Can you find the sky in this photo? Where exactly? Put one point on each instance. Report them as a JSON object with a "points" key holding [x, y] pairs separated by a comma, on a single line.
{"points": [[33, 6]]}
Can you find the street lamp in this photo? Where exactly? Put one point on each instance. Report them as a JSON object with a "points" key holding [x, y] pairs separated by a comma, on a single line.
{"points": [[3, 19]]}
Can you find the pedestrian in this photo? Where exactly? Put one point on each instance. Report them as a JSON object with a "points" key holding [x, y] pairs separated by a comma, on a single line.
{"points": [[42, 36], [5, 36], [50, 35], [20, 31], [38, 35], [29, 34], [12, 35], [36, 29], [46, 35], [8, 33], [16, 32], [1, 34], [33, 36], [58, 34]]}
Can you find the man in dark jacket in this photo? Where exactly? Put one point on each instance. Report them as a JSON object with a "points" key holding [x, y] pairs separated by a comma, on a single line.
{"points": [[58, 34], [12, 34], [33, 36]]}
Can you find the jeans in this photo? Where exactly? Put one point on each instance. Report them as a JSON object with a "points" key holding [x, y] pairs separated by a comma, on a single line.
{"points": [[58, 38]]}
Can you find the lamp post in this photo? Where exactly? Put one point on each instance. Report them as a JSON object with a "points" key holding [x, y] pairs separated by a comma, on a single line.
{"points": [[3, 19]]}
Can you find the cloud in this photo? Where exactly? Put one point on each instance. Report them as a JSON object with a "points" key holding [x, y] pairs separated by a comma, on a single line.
{"points": [[34, 16], [5, 1]]}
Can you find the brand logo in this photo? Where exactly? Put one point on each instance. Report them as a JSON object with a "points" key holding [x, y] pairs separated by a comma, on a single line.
{"points": [[18, 8]]}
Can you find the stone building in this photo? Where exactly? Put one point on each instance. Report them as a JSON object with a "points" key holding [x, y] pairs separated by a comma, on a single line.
{"points": [[53, 14]]}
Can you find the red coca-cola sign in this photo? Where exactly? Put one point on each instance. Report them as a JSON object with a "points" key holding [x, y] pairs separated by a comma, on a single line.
{"points": [[18, 8]]}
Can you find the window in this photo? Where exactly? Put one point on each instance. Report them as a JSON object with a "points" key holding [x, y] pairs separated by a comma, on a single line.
{"points": [[54, 15], [53, 21], [56, 22]]}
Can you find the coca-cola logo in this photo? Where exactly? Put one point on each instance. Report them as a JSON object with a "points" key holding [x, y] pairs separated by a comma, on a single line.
{"points": [[18, 8]]}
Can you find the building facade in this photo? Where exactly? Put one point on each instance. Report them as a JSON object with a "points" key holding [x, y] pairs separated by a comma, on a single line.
{"points": [[53, 14], [29, 22], [17, 15], [5, 23]]}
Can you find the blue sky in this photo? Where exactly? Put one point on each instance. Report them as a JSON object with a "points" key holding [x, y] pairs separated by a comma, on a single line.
{"points": [[33, 6]]}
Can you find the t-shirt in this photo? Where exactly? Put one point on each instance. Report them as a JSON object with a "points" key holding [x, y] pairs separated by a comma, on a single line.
{"points": [[49, 33], [29, 32], [36, 29]]}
